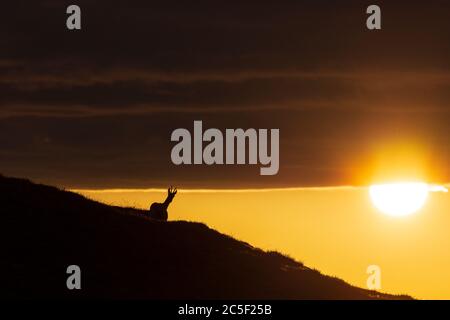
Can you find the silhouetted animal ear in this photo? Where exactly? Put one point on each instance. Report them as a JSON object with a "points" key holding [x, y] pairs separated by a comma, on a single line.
{"points": [[175, 191]]}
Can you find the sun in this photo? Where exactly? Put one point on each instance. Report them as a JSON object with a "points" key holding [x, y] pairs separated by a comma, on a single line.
{"points": [[399, 199]]}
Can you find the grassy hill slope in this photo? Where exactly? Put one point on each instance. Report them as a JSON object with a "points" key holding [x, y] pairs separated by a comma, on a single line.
{"points": [[123, 254]]}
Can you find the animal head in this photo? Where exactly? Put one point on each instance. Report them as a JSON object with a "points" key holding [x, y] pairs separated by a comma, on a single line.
{"points": [[171, 192]]}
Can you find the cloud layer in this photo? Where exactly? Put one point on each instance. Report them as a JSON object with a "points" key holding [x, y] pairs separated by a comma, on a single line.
{"points": [[95, 108]]}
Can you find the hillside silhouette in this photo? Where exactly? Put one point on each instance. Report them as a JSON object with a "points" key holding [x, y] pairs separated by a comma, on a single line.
{"points": [[124, 254]]}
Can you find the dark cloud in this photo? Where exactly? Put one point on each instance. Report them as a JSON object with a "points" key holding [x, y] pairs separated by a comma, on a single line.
{"points": [[95, 108]]}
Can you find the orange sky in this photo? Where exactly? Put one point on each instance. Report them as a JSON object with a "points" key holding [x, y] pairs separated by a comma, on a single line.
{"points": [[336, 230]]}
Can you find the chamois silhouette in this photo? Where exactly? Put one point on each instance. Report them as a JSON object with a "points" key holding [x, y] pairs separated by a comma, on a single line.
{"points": [[158, 211]]}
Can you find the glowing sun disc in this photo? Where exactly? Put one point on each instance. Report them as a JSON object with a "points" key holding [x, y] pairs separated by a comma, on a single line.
{"points": [[399, 199]]}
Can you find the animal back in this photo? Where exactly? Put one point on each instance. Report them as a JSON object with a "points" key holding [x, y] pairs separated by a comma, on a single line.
{"points": [[158, 211]]}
